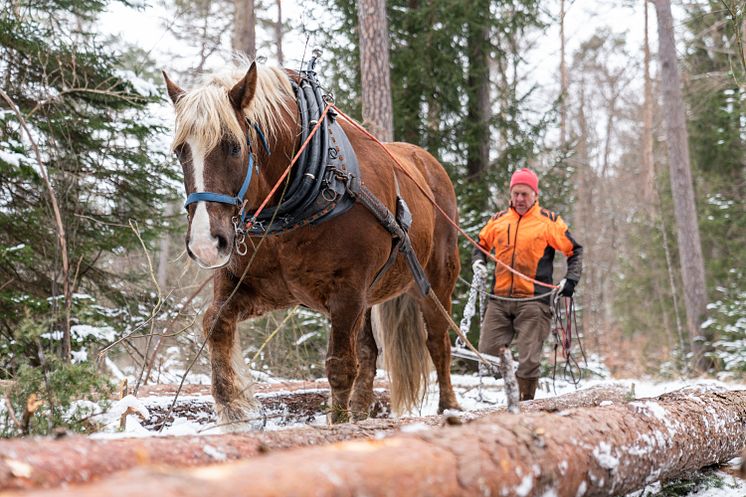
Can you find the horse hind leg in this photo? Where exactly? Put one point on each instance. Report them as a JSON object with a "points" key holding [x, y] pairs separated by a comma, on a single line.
{"points": [[232, 388], [362, 389], [439, 346]]}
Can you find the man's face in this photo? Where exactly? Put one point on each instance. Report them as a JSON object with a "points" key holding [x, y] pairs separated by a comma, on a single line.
{"points": [[522, 197]]}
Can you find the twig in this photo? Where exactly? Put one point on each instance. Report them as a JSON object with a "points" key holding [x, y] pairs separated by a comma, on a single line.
{"points": [[156, 308], [289, 315], [166, 331], [12, 413], [7, 283]]}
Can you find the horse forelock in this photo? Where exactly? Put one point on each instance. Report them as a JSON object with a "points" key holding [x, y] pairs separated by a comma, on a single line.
{"points": [[205, 115]]}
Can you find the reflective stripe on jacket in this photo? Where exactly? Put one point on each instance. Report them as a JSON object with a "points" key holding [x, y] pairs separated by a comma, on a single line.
{"points": [[527, 244]]}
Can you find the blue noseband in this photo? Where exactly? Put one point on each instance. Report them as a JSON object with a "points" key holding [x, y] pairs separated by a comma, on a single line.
{"points": [[227, 199]]}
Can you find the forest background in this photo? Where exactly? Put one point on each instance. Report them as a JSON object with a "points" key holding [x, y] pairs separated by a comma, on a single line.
{"points": [[93, 274]]}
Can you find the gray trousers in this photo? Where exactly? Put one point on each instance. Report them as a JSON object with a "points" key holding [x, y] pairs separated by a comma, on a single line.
{"points": [[527, 322]]}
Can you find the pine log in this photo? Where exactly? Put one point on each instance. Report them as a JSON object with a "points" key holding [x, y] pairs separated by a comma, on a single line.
{"points": [[601, 451], [41, 462]]}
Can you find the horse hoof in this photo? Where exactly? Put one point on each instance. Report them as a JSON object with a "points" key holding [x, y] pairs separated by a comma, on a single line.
{"points": [[337, 416], [358, 416], [240, 416]]}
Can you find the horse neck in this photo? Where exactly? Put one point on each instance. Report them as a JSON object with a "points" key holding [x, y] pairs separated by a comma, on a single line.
{"points": [[272, 166]]}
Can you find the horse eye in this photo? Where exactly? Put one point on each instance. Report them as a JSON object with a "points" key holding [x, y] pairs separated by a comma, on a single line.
{"points": [[235, 150]]}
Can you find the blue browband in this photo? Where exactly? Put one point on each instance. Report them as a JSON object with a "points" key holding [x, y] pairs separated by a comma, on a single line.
{"points": [[227, 199]]}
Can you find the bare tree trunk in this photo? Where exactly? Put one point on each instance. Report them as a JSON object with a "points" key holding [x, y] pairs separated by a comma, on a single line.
{"points": [[584, 220], [279, 31], [601, 451], [564, 78], [378, 115], [690, 246], [479, 108], [244, 28], [648, 168]]}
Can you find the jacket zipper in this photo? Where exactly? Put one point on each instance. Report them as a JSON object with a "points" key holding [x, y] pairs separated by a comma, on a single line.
{"points": [[512, 261]]}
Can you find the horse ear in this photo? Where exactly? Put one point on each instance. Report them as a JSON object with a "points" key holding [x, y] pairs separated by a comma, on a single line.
{"points": [[243, 91], [173, 89]]}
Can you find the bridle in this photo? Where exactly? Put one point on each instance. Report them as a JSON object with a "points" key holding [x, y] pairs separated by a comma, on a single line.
{"points": [[238, 200]]}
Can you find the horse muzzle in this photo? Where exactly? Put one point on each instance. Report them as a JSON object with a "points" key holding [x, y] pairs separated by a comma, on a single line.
{"points": [[211, 252]]}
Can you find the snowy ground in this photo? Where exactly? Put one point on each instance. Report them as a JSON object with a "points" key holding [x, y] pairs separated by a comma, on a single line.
{"points": [[474, 393]]}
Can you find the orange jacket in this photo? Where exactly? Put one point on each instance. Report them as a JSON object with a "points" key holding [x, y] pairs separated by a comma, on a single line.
{"points": [[527, 244]]}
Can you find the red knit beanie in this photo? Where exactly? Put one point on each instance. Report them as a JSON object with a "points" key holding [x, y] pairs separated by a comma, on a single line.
{"points": [[525, 176]]}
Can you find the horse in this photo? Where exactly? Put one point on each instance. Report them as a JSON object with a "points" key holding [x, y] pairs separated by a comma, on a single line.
{"points": [[329, 267]]}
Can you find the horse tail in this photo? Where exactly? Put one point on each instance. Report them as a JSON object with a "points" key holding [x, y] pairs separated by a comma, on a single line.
{"points": [[406, 359]]}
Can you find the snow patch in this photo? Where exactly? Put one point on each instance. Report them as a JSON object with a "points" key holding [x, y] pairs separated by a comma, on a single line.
{"points": [[215, 453], [525, 487], [603, 455], [81, 331], [581, 489], [651, 407], [414, 427]]}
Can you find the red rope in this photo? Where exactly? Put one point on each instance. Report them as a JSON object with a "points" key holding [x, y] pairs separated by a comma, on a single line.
{"points": [[290, 166], [432, 200], [427, 194]]}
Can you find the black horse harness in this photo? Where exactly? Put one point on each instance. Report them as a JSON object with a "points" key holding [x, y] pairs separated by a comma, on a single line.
{"points": [[325, 183]]}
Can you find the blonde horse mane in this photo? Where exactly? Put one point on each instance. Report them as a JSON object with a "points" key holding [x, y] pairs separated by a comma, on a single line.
{"points": [[206, 115]]}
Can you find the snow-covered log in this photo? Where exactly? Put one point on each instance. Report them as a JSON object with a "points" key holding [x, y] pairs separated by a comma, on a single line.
{"points": [[29, 463], [609, 450]]}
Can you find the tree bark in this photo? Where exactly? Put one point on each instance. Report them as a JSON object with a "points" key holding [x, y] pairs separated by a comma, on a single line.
{"points": [[33, 463], [479, 106], [244, 28], [690, 246], [609, 450], [564, 78], [378, 114], [279, 32], [648, 167]]}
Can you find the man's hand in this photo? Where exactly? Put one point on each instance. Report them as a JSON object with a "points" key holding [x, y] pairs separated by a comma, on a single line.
{"points": [[567, 287], [478, 266]]}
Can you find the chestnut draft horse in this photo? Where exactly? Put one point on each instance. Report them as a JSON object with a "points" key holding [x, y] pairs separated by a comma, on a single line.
{"points": [[329, 267]]}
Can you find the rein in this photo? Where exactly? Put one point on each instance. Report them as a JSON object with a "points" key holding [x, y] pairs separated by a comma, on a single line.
{"points": [[564, 320]]}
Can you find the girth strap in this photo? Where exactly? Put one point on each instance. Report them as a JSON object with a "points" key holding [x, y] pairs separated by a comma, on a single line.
{"points": [[403, 243]]}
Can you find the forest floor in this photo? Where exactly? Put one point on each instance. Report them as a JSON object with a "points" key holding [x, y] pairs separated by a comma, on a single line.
{"points": [[292, 404]]}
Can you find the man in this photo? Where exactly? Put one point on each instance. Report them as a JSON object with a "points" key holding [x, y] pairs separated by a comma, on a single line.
{"points": [[524, 238]]}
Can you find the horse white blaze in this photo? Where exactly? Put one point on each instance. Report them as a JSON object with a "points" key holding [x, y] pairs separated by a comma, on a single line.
{"points": [[201, 242]]}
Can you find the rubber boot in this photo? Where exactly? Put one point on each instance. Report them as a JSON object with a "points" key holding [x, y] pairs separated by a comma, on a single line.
{"points": [[527, 387]]}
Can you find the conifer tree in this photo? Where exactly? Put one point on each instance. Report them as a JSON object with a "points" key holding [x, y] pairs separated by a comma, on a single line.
{"points": [[76, 114]]}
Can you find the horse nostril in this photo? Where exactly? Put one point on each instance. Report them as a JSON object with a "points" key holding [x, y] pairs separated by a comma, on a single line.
{"points": [[222, 243]]}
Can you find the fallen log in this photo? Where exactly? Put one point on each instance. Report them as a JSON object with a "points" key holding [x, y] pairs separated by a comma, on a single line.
{"points": [[602, 451], [29, 463]]}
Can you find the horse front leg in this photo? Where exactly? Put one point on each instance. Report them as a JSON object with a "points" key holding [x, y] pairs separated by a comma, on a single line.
{"points": [[367, 353], [341, 361], [232, 388]]}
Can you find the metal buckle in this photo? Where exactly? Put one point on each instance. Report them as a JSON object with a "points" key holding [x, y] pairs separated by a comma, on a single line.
{"points": [[240, 236]]}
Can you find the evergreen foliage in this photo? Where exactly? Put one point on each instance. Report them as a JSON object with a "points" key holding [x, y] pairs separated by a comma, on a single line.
{"points": [[717, 129], [89, 117]]}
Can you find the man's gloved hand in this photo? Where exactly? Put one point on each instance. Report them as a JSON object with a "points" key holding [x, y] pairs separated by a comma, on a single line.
{"points": [[567, 287], [479, 266]]}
